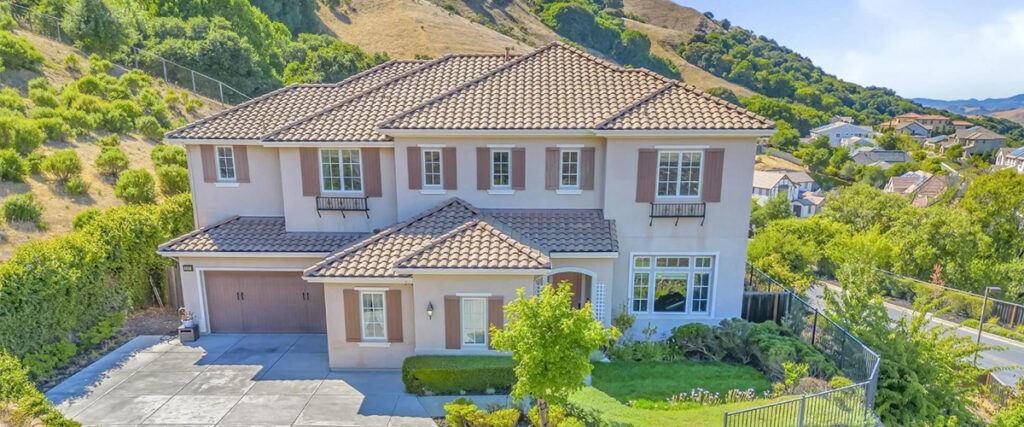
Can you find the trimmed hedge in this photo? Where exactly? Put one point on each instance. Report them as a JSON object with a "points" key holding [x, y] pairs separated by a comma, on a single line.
{"points": [[22, 403], [457, 374]]}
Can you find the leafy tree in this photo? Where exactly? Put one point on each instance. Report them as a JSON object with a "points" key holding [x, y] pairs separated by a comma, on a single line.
{"points": [[136, 187], [62, 164], [327, 59], [550, 361], [96, 27], [786, 137], [954, 152], [725, 94], [864, 208], [112, 161], [774, 209], [173, 179], [939, 235], [996, 203]]}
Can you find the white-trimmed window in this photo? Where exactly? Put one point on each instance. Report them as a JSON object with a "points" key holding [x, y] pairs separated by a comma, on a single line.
{"points": [[372, 316], [501, 167], [569, 169], [226, 163], [671, 283], [679, 173], [341, 171], [432, 169], [474, 321]]}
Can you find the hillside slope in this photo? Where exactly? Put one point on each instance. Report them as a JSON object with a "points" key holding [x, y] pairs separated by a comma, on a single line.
{"points": [[1015, 115]]}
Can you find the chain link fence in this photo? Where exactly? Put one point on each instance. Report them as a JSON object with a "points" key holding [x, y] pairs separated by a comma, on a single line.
{"points": [[172, 73]]}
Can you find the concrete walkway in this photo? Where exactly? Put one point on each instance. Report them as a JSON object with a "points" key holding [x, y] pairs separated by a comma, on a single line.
{"points": [[233, 380]]}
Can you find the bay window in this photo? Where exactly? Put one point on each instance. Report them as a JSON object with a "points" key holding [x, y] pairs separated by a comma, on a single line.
{"points": [[671, 283]]}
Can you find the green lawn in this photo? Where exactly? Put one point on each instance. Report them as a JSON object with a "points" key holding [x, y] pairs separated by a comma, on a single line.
{"points": [[614, 412], [658, 381]]}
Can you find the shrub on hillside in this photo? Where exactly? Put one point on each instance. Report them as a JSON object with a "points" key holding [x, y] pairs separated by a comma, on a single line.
{"points": [[12, 167], [18, 53], [163, 155], [21, 134], [95, 26], [54, 128], [10, 99], [85, 218], [136, 187], [109, 141], [21, 401], [149, 127], [62, 164], [173, 179], [43, 98], [79, 121], [111, 161], [22, 207], [76, 185]]}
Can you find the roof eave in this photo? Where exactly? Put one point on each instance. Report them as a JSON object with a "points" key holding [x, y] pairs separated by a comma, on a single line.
{"points": [[656, 133], [476, 271], [237, 254], [661, 133], [211, 141]]}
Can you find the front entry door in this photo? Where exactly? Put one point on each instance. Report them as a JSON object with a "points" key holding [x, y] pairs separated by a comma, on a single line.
{"points": [[576, 279]]}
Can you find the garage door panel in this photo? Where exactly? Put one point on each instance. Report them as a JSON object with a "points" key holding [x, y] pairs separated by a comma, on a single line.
{"points": [[276, 306], [264, 302], [223, 303], [317, 307]]}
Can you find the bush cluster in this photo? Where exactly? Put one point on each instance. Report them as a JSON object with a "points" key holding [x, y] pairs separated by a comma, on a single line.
{"points": [[462, 412], [51, 356], [136, 187], [22, 207], [21, 401], [457, 374]]}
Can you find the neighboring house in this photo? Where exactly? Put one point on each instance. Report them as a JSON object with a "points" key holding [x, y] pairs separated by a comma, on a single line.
{"points": [[938, 143], [772, 183], [809, 203], [912, 129], [977, 140], [857, 142], [962, 124], [920, 186], [881, 158], [1010, 158], [931, 122], [842, 119], [399, 210], [838, 131]]}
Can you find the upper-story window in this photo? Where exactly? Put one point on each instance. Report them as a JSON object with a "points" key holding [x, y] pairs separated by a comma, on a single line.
{"points": [[569, 169], [671, 283], [432, 169], [679, 173], [340, 170], [500, 169], [226, 164]]}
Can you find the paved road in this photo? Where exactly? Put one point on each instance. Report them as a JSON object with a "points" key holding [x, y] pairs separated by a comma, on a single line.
{"points": [[1008, 354]]}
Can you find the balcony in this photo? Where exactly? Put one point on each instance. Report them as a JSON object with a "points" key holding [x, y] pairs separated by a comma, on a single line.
{"points": [[678, 210], [342, 204]]}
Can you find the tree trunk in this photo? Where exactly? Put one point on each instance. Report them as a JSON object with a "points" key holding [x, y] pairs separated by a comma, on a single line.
{"points": [[542, 412]]}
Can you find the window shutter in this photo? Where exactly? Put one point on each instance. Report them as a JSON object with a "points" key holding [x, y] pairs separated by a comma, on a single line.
{"points": [[646, 175], [450, 177], [483, 168], [371, 171], [393, 305], [519, 168], [309, 163], [241, 163], [452, 322], [587, 168], [353, 326], [495, 315], [209, 163], [415, 162], [551, 168], [714, 162]]}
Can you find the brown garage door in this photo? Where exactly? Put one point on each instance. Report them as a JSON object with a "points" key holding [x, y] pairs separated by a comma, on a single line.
{"points": [[264, 302]]}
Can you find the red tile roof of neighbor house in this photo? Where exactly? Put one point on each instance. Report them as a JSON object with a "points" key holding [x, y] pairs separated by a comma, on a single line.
{"points": [[554, 87]]}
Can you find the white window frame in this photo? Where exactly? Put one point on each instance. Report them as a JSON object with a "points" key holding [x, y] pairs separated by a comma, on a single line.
{"points": [[440, 168], [691, 271], [462, 321], [219, 157], [383, 312], [508, 169], [561, 168], [679, 175], [341, 171]]}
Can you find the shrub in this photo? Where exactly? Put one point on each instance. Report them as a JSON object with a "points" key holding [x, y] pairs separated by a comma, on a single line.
{"points": [[112, 140], [40, 83], [173, 179], [500, 418], [54, 128], [62, 164], [691, 340], [90, 85], [18, 53], [43, 113], [76, 185], [111, 161], [101, 331], [50, 356], [839, 382], [79, 121], [35, 162], [642, 351], [556, 417], [12, 167], [459, 411], [163, 155], [84, 218], [193, 105], [98, 65], [22, 402], [136, 187], [149, 127], [20, 134], [454, 374], [73, 62], [95, 27], [22, 207], [12, 100], [43, 98]]}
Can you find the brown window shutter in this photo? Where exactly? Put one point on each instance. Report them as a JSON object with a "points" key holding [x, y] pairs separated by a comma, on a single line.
{"points": [[551, 168], [452, 322], [209, 163], [483, 168], [353, 326], [241, 163], [415, 162], [518, 168], [714, 162], [646, 175], [309, 163], [587, 168], [495, 315], [371, 172], [449, 169], [393, 305]]}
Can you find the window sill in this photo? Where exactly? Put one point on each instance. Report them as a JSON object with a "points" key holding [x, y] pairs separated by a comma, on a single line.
{"points": [[376, 344], [226, 184], [570, 191], [684, 315], [434, 191], [501, 191]]}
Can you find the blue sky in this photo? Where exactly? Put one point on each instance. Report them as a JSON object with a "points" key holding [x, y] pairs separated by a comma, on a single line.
{"points": [[921, 48]]}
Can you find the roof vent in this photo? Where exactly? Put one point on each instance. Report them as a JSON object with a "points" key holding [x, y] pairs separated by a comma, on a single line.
{"points": [[508, 52]]}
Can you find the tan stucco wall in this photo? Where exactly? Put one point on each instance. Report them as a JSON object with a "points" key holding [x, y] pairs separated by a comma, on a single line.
{"points": [[259, 197], [351, 355]]}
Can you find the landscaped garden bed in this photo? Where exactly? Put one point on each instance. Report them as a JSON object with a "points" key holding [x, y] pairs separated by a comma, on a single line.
{"points": [[458, 375]]}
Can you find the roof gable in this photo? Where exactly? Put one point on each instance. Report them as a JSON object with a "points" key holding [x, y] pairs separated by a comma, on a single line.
{"points": [[680, 106], [475, 245]]}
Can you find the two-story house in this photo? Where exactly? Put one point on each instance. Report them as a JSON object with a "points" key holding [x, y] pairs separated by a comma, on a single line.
{"points": [[1012, 158], [796, 186], [977, 140], [398, 210], [838, 131]]}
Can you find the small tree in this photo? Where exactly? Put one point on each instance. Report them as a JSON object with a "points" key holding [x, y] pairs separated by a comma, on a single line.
{"points": [[62, 164], [112, 161], [136, 187], [551, 343], [163, 155], [173, 179]]}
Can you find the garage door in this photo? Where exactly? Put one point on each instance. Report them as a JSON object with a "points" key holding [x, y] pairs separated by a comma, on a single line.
{"points": [[264, 302]]}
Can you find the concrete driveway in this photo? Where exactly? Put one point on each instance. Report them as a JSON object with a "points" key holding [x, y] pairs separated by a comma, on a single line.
{"points": [[228, 379]]}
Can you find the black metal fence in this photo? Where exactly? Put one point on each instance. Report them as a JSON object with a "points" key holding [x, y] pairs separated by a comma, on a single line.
{"points": [[49, 26], [961, 304], [844, 406]]}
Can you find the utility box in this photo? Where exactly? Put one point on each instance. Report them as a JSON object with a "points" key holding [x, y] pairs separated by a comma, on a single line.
{"points": [[188, 334]]}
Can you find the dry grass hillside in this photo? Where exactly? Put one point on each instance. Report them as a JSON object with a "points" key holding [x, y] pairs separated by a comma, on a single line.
{"points": [[61, 208], [1016, 115]]}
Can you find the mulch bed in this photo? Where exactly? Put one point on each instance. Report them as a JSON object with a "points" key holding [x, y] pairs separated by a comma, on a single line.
{"points": [[151, 321]]}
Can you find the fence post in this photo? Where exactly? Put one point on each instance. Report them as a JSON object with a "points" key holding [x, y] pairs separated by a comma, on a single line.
{"points": [[800, 415], [1013, 317], [136, 50], [164, 61], [193, 81], [220, 86], [56, 22], [814, 327]]}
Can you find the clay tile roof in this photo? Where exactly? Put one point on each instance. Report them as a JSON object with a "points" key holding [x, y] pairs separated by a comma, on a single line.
{"points": [[256, 117], [476, 245], [356, 118], [767, 179], [560, 230], [257, 234], [680, 106]]}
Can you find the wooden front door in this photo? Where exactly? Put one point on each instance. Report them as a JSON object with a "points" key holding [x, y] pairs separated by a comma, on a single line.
{"points": [[264, 302], [577, 284]]}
